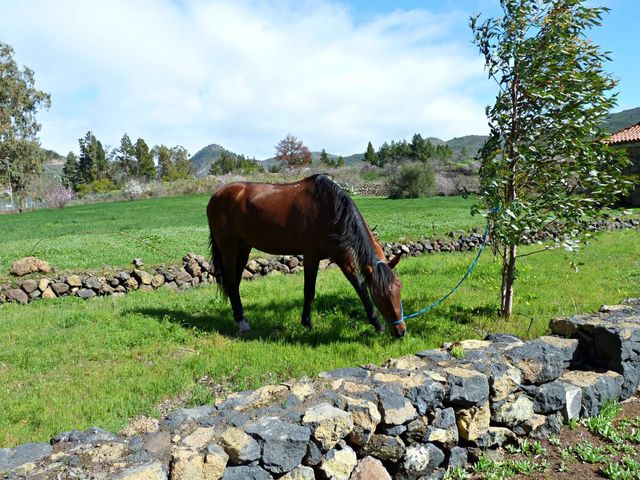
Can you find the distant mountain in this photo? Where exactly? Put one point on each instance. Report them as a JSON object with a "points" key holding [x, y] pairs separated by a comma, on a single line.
{"points": [[619, 120], [53, 163], [206, 156]]}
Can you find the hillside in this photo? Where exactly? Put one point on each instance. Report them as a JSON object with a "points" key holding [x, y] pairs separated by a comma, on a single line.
{"points": [[204, 157], [470, 143], [619, 120]]}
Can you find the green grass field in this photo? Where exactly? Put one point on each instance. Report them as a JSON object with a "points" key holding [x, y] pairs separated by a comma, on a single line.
{"points": [[162, 230], [68, 363]]}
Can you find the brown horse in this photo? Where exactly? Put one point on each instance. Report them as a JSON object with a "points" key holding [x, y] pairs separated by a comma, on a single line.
{"points": [[313, 217]]}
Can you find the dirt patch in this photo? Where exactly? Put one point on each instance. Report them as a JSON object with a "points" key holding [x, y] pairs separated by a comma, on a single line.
{"points": [[560, 451]]}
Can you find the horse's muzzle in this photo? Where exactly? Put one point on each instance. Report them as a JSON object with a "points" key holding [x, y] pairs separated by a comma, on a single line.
{"points": [[398, 329]]}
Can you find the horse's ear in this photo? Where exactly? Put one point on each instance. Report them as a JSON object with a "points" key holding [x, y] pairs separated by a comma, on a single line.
{"points": [[394, 261]]}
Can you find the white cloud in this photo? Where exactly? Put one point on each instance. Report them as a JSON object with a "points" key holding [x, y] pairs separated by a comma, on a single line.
{"points": [[245, 73]]}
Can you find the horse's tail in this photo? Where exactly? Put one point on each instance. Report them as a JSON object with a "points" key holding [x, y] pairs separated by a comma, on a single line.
{"points": [[216, 263]]}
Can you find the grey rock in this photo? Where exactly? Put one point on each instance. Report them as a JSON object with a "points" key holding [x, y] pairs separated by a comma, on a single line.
{"points": [[420, 461], [458, 457], [11, 458], [552, 426], [426, 397], [245, 473], [17, 295], [92, 282], [385, 448], [392, 430], [333, 398], [568, 348], [467, 388], [86, 293], [188, 415], [503, 338], [234, 418], [443, 430], [538, 361], [313, 457], [434, 355], [549, 397], [630, 371], [496, 437], [29, 285], [359, 373], [394, 408], [152, 471], [283, 445], [60, 288], [416, 430], [597, 388], [92, 435]]}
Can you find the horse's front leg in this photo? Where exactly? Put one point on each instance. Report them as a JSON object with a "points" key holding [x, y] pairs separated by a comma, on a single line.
{"points": [[310, 274], [358, 285]]}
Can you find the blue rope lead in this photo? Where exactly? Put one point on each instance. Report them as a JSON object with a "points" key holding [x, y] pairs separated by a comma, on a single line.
{"points": [[438, 302]]}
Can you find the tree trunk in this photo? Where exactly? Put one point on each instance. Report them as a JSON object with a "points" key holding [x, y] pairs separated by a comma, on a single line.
{"points": [[508, 279]]}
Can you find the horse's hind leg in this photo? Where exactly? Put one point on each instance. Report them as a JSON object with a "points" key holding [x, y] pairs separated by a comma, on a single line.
{"points": [[231, 278], [358, 285], [310, 274]]}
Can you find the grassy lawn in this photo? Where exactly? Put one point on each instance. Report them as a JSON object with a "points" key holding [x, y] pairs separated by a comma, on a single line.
{"points": [[68, 363], [162, 230]]}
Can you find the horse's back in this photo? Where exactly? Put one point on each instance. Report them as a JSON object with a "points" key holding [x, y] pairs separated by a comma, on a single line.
{"points": [[275, 218]]}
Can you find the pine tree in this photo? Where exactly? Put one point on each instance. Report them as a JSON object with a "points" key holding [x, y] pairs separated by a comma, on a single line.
{"points": [[166, 169], [125, 161], [70, 171], [370, 155], [144, 158], [324, 158]]}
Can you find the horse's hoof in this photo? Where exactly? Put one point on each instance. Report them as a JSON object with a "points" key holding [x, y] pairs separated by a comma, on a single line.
{"points": [[307, 324], [243, 327]]}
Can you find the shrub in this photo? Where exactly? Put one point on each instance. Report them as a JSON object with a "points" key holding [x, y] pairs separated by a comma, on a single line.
{"points": [[97, 186], [134, 189], [412, 181], [59, 196]]}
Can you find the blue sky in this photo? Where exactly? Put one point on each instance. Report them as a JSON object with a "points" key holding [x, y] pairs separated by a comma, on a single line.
{"points": [[244, 73]]}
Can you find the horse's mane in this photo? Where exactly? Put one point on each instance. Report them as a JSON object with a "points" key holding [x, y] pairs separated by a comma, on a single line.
{"points": [[351, 231]]}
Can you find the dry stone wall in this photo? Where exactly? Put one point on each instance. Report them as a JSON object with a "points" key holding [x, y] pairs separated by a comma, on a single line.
{"points": [[196, 270], [411, 418]]}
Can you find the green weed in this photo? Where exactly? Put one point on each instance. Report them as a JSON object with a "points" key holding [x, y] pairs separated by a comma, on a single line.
{"points": [[457, 473], [588, 453]]}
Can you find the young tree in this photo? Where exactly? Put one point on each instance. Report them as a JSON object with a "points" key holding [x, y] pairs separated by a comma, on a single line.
{"points": [[324, 158], [292, 152], [92, 164], [546, 164], [20, 156], [125, 160], [144, 159], [166, 170], [370, 155], [181, 162], [224, 164], [70, 170]]}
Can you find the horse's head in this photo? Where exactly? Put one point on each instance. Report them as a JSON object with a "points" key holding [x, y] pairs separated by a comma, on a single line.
{"points": [[385, 287]]}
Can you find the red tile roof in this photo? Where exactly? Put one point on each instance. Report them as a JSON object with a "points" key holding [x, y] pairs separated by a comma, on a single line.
{"points": [[629, 134]]}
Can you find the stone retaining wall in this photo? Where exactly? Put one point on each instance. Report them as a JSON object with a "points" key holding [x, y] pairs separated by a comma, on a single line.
{"points": [[413, 417], [195, 269]]}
